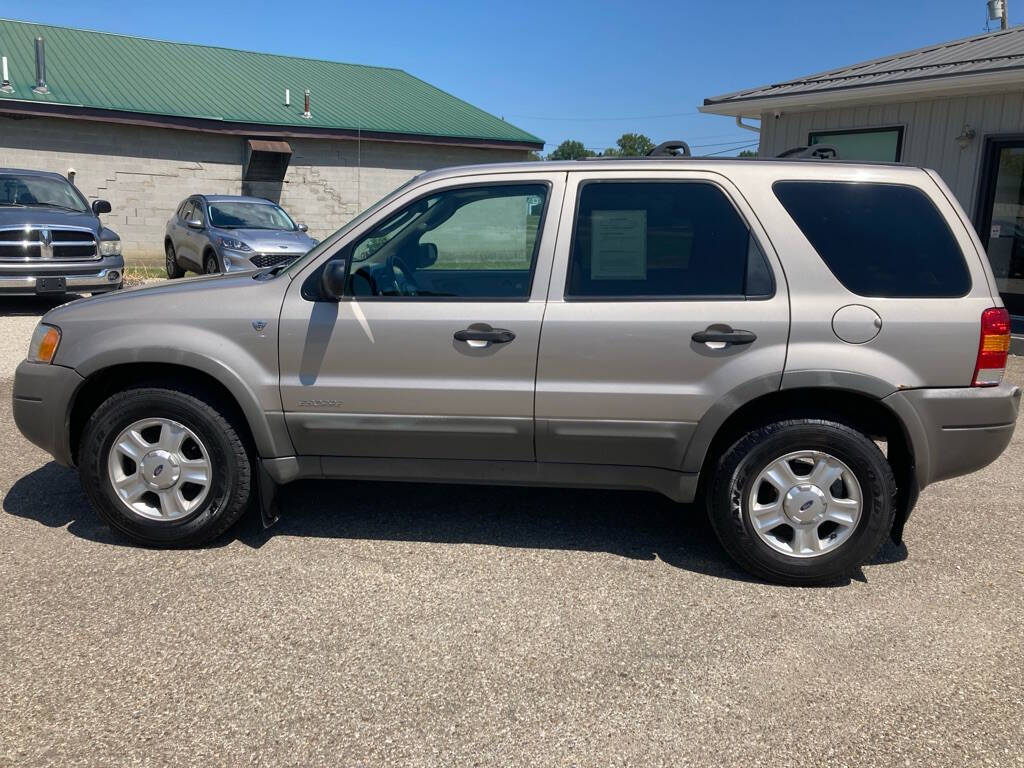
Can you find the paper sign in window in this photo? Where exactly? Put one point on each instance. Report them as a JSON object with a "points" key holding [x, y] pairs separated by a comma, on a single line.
{"points": [[618, 245]]}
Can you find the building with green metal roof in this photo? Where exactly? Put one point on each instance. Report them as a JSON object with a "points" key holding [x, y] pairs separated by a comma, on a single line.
{"points": [[144, 123]]}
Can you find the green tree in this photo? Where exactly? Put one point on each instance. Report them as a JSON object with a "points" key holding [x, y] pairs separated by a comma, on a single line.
{"points": [[631, 145], [748, 153], [570, 149]]}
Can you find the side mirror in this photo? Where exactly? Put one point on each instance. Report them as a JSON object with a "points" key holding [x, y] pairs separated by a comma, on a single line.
{"points": [[195, 224], [303, 228], [100, 206], [332, 280]]}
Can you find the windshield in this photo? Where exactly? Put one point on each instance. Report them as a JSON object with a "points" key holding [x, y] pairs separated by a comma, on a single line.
{"points": [[42, 191], [249, 216]]}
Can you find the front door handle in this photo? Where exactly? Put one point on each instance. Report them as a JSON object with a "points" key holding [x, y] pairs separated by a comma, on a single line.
{"points": [[724, 335], [481, 337]]}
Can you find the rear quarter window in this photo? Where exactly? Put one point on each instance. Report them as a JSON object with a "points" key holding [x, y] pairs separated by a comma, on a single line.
{"points": [[879, 240]]}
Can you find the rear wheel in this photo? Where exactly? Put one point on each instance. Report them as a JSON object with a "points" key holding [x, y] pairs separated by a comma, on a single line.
{"points": [[165, 467], [802, 501], [210, 265], [174, 271]]}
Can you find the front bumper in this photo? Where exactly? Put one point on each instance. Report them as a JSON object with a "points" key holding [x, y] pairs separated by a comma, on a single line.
{"points": [[42, 400], [96, 276], [957, 430]]}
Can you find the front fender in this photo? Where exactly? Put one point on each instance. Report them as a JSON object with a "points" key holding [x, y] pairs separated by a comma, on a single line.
{"points": [[226, 328], [251, 385]]}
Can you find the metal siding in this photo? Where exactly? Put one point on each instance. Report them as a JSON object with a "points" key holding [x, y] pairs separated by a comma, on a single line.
{"points": [[107, 71]]}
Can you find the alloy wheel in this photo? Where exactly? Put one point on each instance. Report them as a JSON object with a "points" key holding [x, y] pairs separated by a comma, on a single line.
{"points": [[805, 504], [160, 469]]}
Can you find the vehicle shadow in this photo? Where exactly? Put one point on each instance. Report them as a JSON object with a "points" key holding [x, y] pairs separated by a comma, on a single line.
{"points": [[635, 525], [31, 305]]}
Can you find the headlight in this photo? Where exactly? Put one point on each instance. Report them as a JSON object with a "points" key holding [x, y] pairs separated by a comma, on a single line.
{"points": [[110, 247], [43, 346], [233, 245]]}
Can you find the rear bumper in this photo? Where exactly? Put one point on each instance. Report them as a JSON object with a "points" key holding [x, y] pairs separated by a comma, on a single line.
{"points": [[42, 396], [957, 430]]}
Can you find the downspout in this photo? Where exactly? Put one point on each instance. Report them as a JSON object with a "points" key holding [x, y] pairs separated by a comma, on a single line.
{"points": [[744, 126]]}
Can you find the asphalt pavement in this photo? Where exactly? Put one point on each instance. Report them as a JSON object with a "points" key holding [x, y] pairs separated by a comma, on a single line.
{"points": [[423, 625]]}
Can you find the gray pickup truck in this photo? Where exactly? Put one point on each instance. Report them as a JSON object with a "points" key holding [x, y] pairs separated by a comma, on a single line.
{"points": [[51, 240], [802, 345]]}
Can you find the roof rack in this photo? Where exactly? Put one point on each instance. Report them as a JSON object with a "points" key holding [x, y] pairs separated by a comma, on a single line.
{"points": [[674, 148], [815, 151]]}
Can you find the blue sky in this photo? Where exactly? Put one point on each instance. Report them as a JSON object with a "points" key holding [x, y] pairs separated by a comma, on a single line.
{"points": [[586, 70]]}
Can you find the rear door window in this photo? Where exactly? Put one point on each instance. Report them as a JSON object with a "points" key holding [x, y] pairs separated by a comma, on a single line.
{"points": [[662, 240], [879, 240]]}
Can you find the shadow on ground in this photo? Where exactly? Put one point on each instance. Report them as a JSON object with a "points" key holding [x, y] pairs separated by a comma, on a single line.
{"points": [[635, 525], [30, 305]]}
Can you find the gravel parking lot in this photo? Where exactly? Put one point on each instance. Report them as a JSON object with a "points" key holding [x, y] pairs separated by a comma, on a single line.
{"points": [[437, 625]]}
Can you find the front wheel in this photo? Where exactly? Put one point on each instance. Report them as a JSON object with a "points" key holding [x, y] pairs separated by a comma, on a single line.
{"points": [[164, 467], [210, 265], [802, 501], [174, 270]]}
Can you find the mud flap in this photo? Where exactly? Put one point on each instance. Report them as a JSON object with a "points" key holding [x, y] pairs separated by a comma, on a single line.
{"points": [[270, 510]]}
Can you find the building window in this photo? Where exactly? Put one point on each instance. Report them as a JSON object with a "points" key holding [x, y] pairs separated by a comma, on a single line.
{"points": [[879, 144]]}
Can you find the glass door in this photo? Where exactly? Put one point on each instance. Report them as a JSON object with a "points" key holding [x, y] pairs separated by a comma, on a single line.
{"points": [[1001, 220]]}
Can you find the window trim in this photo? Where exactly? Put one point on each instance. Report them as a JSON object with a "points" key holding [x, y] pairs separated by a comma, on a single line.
{"points": [[566, 296], [899, 128], [842, 284], [311, 285]]}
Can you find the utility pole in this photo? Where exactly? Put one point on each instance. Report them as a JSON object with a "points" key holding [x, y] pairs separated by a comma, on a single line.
{"points": [[1004, 23]]}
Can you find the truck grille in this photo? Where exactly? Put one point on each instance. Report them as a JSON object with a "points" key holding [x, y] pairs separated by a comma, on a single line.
{"points": [[47, 243], [273, 259]]}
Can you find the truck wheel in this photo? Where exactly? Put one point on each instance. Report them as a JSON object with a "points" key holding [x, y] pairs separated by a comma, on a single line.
{"points": [[165, 467], [802, 501], [174, 271]]}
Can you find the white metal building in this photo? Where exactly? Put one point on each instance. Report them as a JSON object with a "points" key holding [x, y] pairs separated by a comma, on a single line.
{"points": [[957, 107]]}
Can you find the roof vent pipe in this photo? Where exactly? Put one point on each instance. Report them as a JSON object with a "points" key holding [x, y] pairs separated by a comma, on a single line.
{"points": [[40, 67], [5, 84], [287, 97], [305, 111]]}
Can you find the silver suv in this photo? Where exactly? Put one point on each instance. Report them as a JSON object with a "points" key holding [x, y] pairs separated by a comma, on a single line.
{"points": [[804, 345], [230, 233]]}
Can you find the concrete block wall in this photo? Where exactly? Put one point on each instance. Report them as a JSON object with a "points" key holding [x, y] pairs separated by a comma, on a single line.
{"points": [[145, 172]]}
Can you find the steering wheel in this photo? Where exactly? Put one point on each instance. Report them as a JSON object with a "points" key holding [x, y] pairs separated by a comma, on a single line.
{"points": [[401, 276]]}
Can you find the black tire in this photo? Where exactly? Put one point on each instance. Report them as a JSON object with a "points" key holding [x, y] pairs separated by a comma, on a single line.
{"points": [[231, 488], [174, 270], [737, 471], [210, 264]]}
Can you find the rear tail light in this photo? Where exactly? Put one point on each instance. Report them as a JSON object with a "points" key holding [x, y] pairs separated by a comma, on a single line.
{"points": [[993, 347]]}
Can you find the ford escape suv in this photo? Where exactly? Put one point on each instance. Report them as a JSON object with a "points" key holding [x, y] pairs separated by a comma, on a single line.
{"points": [[230, 233], [51, 240], [803, 345]]}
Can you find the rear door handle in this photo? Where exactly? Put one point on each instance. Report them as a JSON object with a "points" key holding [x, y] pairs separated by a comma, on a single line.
{"points": [[479, 337], [724, 335]]}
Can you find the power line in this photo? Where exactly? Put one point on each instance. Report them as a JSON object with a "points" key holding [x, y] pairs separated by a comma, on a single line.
{"points": [[605, 119], [731, 149]]}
